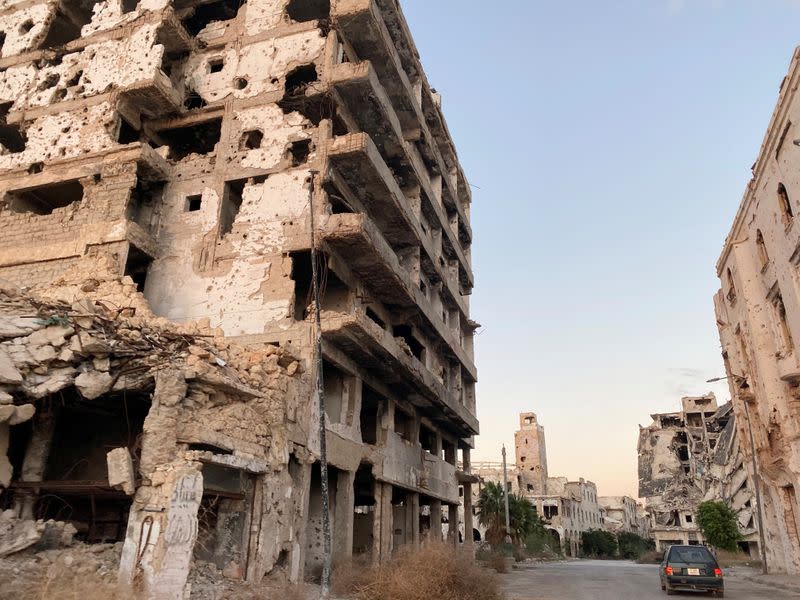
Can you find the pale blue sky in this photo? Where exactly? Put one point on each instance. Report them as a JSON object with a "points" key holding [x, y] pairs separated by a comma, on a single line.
{"points": [[611, 142]]}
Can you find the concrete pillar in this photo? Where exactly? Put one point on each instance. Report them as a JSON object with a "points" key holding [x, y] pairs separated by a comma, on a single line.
{"points": [[412, 517], [435, 533], [343, 515], [383, 524], [36, 455], [469, 543], [452, 519]]}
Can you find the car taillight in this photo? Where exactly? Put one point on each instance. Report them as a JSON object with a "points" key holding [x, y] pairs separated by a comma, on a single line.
{"points": [[718, 572], [668, 571]]}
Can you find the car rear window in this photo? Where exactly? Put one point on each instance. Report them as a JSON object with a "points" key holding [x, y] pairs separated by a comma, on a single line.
{"points": [[691, 555]]}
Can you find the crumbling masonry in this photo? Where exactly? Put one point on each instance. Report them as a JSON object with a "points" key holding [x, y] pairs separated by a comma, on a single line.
{"points": [[163, 163], [692, 456]]}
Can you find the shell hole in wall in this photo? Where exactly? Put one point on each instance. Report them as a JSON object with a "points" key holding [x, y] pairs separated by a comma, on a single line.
{"points": [[66, 25], [299, 152], [2, 39], [43, 200], [25, 27], [296, 98], [240, 83], [127, 133], [204, 15], [12, 137], [129, 6], [251, 140], [48, 82]]}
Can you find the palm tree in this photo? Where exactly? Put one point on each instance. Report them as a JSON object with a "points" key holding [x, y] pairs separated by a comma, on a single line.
{"points": [[492, 512]]}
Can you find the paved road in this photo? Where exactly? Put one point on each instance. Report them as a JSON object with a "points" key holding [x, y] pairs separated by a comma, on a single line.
{"points": [[614, 580]]}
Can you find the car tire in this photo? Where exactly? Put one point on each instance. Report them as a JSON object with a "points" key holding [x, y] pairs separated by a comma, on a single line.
{"points": [[663, 587]]}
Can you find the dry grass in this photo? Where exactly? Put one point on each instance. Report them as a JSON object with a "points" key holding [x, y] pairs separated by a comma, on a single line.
{"points": [[62, 582], [433, 571], [498, 562], [736, 559], [652, 557]]}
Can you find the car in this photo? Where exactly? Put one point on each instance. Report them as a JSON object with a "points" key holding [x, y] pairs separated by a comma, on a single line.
{"points": [[691, 568]]}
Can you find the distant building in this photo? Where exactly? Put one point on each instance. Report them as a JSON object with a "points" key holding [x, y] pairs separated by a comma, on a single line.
{"points": [[623, 514], [689, 457]]}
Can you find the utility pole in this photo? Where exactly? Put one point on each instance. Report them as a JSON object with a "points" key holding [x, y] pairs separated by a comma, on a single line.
{"points": [[505, 495], [738, 380], [325, 587]]}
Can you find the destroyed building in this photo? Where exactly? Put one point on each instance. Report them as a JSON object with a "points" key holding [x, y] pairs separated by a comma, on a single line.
{"points": [[567, 507], [623, 514], [192, 153], [689, 457], [758, 317]]}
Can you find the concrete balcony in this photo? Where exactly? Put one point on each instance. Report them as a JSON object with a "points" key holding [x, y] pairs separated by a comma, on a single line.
{"points": [[408, 466], [374, 348], [354, 82], [360, 164], [356, 239], [362, 24]]}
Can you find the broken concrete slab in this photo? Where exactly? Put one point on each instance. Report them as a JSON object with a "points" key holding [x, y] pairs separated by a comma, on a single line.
{"points": [[120, 470], [93, 384], [8, 372]]}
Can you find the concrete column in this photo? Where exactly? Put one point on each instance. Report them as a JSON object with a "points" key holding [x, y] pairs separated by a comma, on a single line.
{"points": [[383, 524], [468, 521], [412, 518], [435, 533], [36, 455], [452, 529], [343, 515]]}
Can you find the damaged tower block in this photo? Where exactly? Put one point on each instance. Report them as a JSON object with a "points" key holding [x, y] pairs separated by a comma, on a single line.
{"points": [[689, 457], [159, 164]]}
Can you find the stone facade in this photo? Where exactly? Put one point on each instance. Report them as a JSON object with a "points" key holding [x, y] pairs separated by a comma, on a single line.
{"points": [[692, 456], [758, 316], [623, 514], [198, 150]]}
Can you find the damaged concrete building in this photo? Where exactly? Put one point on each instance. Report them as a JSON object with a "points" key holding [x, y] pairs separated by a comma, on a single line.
{"points": [[191, 153], [689, 457], [758, 317], [623, 514]]}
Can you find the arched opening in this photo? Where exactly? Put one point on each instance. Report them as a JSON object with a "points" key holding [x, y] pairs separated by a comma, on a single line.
{"points": [[763, 255], [555, 540], [787, 214], [476, 535]]}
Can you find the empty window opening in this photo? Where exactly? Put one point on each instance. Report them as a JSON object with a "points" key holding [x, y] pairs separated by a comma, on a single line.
{"points": [[137, 266], [763, 256], [688, 518], [404, 332], [144, 204], [216, 64], [64, 449], [302, 276], [404, 425], [223, 517], [787, 214], [12, 137], [67, 22], [251, 140], [45, 199], [550, 512], [299, 152], [338, 204], [783, 324], [201, 138], [204, 15], [308, 10], [683, 453], [373, 316], [231, 204], [336, 392], [298, 80], [128, 134], [48, 82], [428, 440], [363, 509], [449, 452], [129, 6], [193, 203], [371, 403]]}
